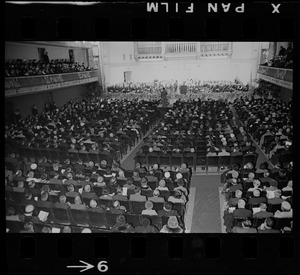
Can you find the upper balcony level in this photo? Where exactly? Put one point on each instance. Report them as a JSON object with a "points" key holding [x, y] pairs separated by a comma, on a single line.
{"points": [[278, 76], [178, 50], [15, 86]]}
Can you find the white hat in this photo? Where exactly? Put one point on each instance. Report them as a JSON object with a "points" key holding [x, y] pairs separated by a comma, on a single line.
{"points": [[86, 230], [179, 176], [29, 208], [286, 205]]}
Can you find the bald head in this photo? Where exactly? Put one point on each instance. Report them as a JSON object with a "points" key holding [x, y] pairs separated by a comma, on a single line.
{"points": [[241, 203], [256, 193], [238, 193]]}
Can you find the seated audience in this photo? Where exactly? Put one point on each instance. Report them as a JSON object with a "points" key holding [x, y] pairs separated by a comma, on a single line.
{"points": [[146, 227]]}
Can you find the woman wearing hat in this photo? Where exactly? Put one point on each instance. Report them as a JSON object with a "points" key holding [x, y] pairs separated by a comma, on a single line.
{"points": [[122, 225], [172, 226]]}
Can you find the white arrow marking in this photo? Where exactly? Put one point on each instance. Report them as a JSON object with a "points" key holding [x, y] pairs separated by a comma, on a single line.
{"points": [[86, 266]]}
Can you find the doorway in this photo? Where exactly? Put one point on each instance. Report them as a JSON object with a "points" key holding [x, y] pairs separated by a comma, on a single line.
{"points": [[127, 76], [71, 56], [41, 52]]}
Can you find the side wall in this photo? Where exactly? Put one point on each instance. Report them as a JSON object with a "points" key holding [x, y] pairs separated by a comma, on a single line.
{"points": [[181, 70], [117, 59]]}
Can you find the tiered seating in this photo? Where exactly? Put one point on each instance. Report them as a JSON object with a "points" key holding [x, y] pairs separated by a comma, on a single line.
{"points": [[194, 160], [19, 67], [270, 123], [272, 184], [188, 132], [96, 135], [82, 216]]}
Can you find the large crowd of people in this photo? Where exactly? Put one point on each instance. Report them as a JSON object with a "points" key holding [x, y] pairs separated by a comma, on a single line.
{"points": [[201, 127], [187, 86], [30, 67], [270, 123], [114, 199], [284, 59], [85, 128], [68, 159], [109, 125], [258, 199]]}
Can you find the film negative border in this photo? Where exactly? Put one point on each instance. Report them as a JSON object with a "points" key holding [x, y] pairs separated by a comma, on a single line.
{"points": [[191, 253], [153, 253], [143, 21]]}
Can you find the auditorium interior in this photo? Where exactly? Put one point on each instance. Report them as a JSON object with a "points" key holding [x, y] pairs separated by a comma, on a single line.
{"points": [[148, 137]]}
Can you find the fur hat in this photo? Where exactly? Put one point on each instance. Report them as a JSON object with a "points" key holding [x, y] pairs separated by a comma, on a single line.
{"points": [[121, 219], [173, 222]]}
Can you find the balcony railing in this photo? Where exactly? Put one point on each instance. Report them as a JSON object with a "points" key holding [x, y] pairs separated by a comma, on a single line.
{"points": [[215, 47], [181, 47], [31, 84], [278, 76], [174, 50], [149, 50]]}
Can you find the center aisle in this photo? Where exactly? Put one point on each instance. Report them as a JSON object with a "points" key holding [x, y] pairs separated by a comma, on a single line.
{"points": [[206, 211]]}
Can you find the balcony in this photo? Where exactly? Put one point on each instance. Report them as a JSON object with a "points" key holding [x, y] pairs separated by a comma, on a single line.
{"points": [[15, 86], [147, 51], [278, 76], [181, 47], [215, 49], [181, 50]]}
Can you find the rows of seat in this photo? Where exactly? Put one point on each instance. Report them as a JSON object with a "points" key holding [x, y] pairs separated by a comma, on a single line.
{"points": [[95, 219], [56, 154], [16, 198], [193, 160], [279, 223]]}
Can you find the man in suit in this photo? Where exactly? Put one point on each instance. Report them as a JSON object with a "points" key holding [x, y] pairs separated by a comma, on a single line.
{"points": [[156, 197], [146, 227], [167, 211], [286, 211], [119, 196], [241, 212], [277, 199], [256, 199], [267, 179], [117, 208], [137, 195], [263, 213], [238, 195]]}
